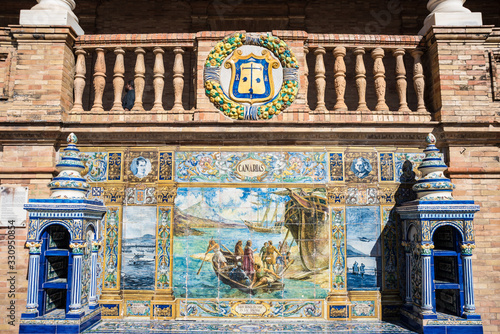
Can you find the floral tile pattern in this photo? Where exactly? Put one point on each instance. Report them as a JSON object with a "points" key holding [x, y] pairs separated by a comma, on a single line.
{"points": [[204, 326], [268, 167]]}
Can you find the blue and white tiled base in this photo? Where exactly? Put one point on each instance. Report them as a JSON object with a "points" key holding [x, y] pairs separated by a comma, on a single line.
{"points": [[248, 326], [442, 324], [55, 322]]}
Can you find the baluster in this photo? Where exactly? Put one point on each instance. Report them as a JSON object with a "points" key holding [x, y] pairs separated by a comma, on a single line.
{"points": [[320, 78], [306, 75], [360, 78], [401, 79], [99, 80], [118, 81], [158, 81], [139, 81], [418, 79], [178, 79], [80, 70], [339, 68], [379, 75]]}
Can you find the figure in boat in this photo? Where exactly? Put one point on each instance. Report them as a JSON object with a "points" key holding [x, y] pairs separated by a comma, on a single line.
{"points": [[248, 259], [218, 256], [263, 276], [237, 274], [232, 276], [238, 249]]}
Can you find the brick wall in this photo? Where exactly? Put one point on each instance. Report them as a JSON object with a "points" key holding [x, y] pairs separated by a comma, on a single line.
{"points": [[458, 82], [20, 166], [476, 173]]}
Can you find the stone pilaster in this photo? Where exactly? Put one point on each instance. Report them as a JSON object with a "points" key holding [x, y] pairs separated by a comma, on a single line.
{"points": [[54, 54]]}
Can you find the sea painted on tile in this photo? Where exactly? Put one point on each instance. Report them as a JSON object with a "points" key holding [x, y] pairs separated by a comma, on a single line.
{"points": [[219, 233], [138, 247]]}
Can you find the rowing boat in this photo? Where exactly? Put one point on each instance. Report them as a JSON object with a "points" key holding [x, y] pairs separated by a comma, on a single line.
{"points": [[223, 276]]}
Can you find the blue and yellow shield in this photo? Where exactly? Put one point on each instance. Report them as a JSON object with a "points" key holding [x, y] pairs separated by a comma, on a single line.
{"points": [[251, 77]]}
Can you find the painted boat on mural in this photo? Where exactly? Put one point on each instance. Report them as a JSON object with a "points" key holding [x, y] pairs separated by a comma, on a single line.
{"points": [[306, 217], [139, 259], [223, 276], [266, 226]]}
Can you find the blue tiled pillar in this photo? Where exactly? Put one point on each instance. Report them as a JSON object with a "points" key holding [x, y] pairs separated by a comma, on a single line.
{"points": [[33, 279]]}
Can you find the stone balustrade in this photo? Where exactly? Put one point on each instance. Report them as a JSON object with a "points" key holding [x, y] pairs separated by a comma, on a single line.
{"points": [[147, 52], [339, 75], [373, 51]]}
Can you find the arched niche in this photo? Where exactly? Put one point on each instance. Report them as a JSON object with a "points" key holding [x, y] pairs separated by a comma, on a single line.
{"points": [[55, 269], [447, 270]]}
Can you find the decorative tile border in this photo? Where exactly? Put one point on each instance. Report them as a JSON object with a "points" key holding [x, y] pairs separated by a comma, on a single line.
{"points": [[251, 308], [112, 249], [166, 166], [251, 167], [336, 167], [386, 161], [163, 248], [338, 259], [115, 166], [211, 325]]}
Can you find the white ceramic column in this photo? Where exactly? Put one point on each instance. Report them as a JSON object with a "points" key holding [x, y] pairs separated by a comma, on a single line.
{"points": [[51, 12], [469, 306], [33, 278], [449, 13], [425, 255], [93, 275], [75, 305]]}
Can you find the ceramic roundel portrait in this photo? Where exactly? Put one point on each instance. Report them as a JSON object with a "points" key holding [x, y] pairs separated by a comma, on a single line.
{"points": [[251, 76]]}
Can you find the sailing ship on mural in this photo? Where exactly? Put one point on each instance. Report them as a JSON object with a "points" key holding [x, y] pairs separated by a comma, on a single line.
{"points": [[306, 218], [267, 225]]}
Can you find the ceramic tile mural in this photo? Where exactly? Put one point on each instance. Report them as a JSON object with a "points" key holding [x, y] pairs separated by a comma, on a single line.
{"points": [[138, 245], [251, 167], [240, 243], [363, 246], [196, 222]]}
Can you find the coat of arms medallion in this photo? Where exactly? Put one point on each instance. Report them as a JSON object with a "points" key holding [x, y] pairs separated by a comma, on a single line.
{"points": [[251, 76]]}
